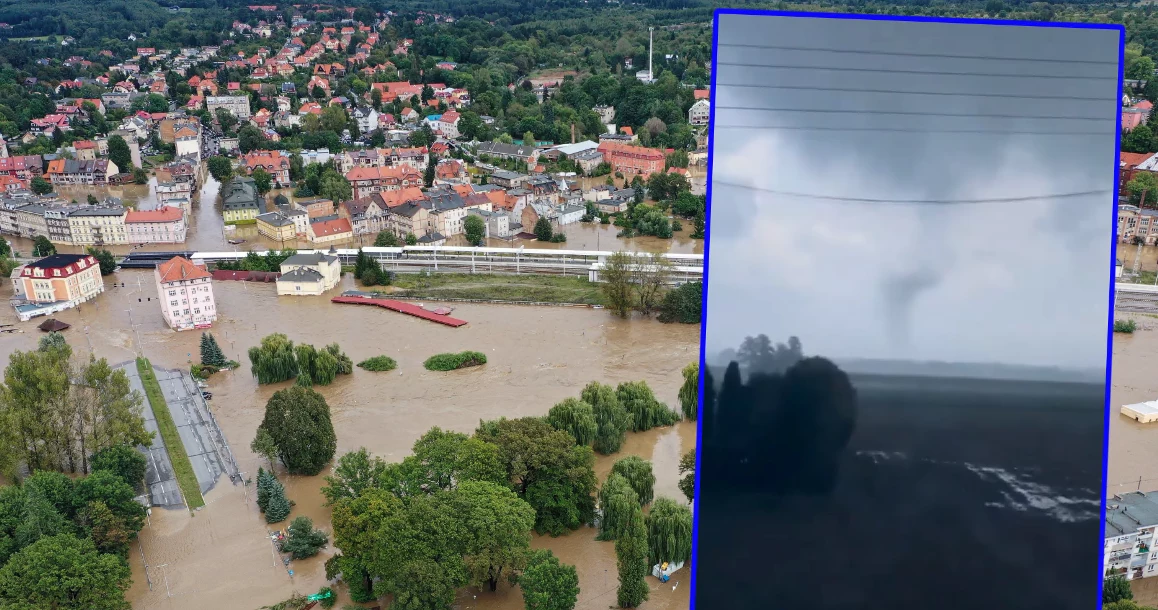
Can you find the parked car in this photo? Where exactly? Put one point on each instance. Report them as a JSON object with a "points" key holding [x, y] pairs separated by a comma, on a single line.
{"points": [[207, 395]]}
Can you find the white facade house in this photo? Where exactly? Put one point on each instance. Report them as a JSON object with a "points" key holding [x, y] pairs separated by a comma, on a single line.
{"points": [[1131, 520], [366, 118], [570, 214], [310, 273], [700, 113], [185, 291], [237, 105]]}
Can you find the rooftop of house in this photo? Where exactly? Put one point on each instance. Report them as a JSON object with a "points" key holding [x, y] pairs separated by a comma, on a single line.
{"points": [[57, 261], [179, 269], [1128, 512], [310, 259]]}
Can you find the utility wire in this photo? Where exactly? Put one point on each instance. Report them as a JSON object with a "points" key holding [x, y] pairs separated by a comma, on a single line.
{"points": [[909, 54], [922, 72], [968, 115], [1004, 132], [899, 92], [912, 201]]}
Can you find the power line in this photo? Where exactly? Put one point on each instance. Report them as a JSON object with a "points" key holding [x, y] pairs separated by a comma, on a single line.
{"points": [[899, 92], [912, 201], [910, 130], [967, 115], [909, 54], [923, 72]]}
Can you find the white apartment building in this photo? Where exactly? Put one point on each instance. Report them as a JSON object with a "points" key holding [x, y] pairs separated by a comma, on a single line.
{"points": [[237, 105], [1131, 520]]}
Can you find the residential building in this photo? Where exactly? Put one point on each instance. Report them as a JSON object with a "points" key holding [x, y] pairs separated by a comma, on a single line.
{"points": [[1128, 164], [450, 171], [700, 113], [65, 172], [164, 225], [1136, 114], [1130, 521], [316, 208], [275, 162], [56, 283], [366, 118], [408, 218], [188, 141], [606, 114], [240, 201], [276, 226], [237, 105], [632, 159], [310, 273], [331, 230], [24, 167], [86, 150], [448, 124], [526, 154], [175, 194], [366, 215], [130, 138], [587, 160], [369, 180], [185, 291], [447, 210], [508, 180], [98, 225], [498, 223]]}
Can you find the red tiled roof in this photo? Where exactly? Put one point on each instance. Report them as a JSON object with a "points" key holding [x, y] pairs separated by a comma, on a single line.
{"points": [[1134, 159], [178, 269], [162, 214], [331, 227]]}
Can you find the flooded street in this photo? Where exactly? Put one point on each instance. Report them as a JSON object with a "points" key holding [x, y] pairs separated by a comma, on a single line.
{"points": [[208, 233], [221, 556], [1133, 455]]}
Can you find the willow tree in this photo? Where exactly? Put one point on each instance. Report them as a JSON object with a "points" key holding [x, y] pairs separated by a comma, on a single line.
{"points": [[637, 472], [617, 501], [645, 411], [611, 419], [575, 417], [631, 561], [669, 531], [690, 391], [274, 360]]}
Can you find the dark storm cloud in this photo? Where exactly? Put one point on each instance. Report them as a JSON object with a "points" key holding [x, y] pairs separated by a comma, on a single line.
{"points": [[1014, 282]]}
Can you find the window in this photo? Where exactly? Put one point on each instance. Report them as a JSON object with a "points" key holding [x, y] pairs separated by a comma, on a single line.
{"points": [[172, 303], [172, 293]]}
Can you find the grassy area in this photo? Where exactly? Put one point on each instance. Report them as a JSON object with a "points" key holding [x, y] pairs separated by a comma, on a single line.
{"points": [[182, 467], [245, 221], [379, 363], [515, 288]]}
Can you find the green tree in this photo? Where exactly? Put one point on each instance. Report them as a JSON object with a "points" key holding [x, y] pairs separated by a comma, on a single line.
{"points": [[385, 239], [422, 137], [411, 239], [631, 561], [617, 500], [475, 228], [140, 176], [689, 395], [264, 445], [546, 468], [687, 482], [335, 187], [42, 247], [104, 258], [638, 473], [334, 118], [303, 540], [682, 305], [1141, 68], [115, 493], [575, 417], [91, 199], [262, 180], [120, 154], [441, 459], [298, 420], [40, 186], [610, 417], [529, 139], [548, 584], [355, 472], [429, 173], [669, 532], [211, 354], [617, 274], [1143, 184], [273, 361], [221, 168], [543, 231], [1116, 589], [277, 507], [123, 461], [498, 531], [108, 532], [64, 573], [645, 410], [265, 481]]}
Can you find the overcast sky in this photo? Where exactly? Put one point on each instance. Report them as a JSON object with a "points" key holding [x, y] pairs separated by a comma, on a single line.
{"points": [[1009, 282]]}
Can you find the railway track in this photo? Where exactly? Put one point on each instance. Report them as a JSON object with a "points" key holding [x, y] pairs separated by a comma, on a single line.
{"points": [[1135, 298]]}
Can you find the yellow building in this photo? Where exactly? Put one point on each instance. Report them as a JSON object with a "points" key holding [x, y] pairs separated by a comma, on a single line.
{"points": [[240, 200], [98, 225], [276, 226]]}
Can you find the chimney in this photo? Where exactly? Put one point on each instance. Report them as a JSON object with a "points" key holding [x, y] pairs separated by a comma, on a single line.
{"points": [[650, 49], [572, 133]]}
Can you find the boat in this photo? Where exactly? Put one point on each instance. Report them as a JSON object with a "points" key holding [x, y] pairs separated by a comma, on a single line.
{"points": [[441, 311]]}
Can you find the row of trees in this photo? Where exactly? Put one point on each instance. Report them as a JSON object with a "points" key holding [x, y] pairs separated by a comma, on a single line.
{"points": [[56, 410], [641, 282], [277, 359]]}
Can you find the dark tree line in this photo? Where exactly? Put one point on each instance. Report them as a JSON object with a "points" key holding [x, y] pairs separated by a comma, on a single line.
{"points": [[789, 421]]}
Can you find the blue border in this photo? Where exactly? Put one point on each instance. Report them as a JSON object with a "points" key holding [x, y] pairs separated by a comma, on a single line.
{"points": [[1121, 29]]}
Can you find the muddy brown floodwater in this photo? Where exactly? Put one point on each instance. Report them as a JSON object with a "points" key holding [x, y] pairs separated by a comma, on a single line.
{"points": [[208, 233], [221, 557]]}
